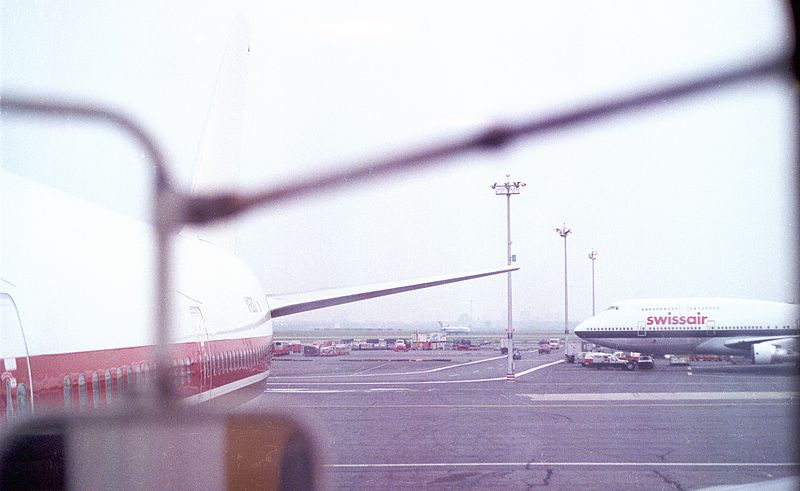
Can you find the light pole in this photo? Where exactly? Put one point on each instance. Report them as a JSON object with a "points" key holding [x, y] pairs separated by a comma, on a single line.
{"points": [[563, 232], [593, 256], [507, 189]]}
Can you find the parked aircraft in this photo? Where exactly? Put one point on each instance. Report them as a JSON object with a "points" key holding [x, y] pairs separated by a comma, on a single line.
{"points": [[766, 331], [453, 329]]}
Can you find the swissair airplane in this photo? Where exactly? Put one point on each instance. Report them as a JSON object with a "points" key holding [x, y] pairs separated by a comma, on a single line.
{"points": [[765, 331], [75, 281]]}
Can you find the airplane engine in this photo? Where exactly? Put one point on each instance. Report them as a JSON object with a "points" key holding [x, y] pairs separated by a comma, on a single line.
{"points": [[766, 353]]}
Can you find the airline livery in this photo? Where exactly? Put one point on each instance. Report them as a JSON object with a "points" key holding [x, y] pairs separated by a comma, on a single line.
{"points": [[765, 331], [76, 280]]}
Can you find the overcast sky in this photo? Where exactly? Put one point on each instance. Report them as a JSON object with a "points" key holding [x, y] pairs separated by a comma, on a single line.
{"points": [[690, 198]]}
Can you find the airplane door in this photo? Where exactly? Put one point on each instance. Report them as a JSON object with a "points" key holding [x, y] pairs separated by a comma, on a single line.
{"points": [[641, 331], [203, 352], [711, 328], [16, 388]]}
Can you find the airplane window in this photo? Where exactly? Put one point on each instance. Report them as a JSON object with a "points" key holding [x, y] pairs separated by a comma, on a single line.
{"points": [[82, 396], [22, 399], [120, 389], [9, 401], [108, 387], [95, 390], [67, 393]]}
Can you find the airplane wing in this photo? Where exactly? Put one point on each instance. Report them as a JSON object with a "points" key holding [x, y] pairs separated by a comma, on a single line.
{"points": [[292, 303], [743, 343]]}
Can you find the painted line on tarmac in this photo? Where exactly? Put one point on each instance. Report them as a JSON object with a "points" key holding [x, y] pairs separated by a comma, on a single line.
{"points": [[662, 396], [525, 372], [417, 372], [528, 465], [420, 382], [527, 406], [372, 368]]}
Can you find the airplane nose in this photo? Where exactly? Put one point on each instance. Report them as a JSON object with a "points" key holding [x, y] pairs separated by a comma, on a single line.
{"points": [[580, 330]]}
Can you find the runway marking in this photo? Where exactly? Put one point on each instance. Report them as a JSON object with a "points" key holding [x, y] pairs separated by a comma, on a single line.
{"points": [[528, 465], [411, 382], [373, 368], [525, 372], [661, 396], [417, 372], [336, 391], [534, 406]]}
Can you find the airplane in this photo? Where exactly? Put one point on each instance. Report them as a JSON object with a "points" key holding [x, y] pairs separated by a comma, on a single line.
{"points": [[453, 329], [75, 283], [765, 331]]}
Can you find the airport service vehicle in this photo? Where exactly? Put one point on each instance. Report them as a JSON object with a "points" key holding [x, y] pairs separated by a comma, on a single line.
{"points": [[517, 354], [574, 348], [593, 356], [681, 360], [400, 345], [611, 361], [280, 349], [627, 355], [765, 331], [544, 348], [646, 362], [555, 343], [503, 345]]}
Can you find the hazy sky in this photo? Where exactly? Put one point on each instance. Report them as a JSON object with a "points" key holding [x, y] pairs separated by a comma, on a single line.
{"points": [[690, 198]]}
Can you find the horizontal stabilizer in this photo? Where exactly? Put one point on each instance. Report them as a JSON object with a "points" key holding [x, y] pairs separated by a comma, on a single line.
{"points": [[292, 303]]}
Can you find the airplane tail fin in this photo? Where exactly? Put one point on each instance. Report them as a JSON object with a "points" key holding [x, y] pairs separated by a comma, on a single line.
{"points": [[217, 163]]}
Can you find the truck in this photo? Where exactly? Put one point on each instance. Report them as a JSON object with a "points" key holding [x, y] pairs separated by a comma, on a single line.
{"points": [[573, 347], [611, 361], [504, 346]]}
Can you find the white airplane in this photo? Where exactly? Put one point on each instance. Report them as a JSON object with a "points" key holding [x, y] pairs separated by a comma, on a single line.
{"points": [[766, 331], [453, 329], [76, 288]]}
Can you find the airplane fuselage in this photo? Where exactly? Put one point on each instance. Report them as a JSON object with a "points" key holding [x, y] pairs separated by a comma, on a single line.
{"points": [[767, 331]]}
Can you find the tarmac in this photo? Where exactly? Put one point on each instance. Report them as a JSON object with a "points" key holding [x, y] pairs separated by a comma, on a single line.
{"points": [[450, 420]]}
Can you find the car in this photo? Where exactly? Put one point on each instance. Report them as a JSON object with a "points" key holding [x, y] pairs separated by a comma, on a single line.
{"points": [[544, 348], [578, 358], [517, 354], [646, 362]]}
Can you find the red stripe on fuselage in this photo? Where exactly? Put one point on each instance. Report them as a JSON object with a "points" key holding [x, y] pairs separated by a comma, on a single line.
{"points": [[197, 369]]}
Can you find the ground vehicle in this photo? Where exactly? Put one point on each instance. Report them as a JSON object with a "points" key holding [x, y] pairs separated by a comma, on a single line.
{"points": [[627, 355], [555, 343], [544, 348], [517, 354], [611, 361], [400, 345], [646, 362], [503, 346], [592, 357], [280, 349], [574, 350]]}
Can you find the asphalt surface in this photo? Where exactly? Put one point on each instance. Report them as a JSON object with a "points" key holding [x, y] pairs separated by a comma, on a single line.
{"points": [[449, 420]]}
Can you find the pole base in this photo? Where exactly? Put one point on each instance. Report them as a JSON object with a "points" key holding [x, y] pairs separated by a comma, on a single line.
{"points": [[510, 377]]}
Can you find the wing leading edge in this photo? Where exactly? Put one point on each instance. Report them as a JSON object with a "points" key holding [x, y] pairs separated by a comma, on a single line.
{"points": [[293, 303]]}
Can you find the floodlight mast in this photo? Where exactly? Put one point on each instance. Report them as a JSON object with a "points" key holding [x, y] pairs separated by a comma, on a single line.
{"points": [[564, 232], [507, 189], [593, 256]]}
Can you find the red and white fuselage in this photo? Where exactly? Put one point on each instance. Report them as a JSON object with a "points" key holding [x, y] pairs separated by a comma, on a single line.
{"points": [[76, 296]]}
